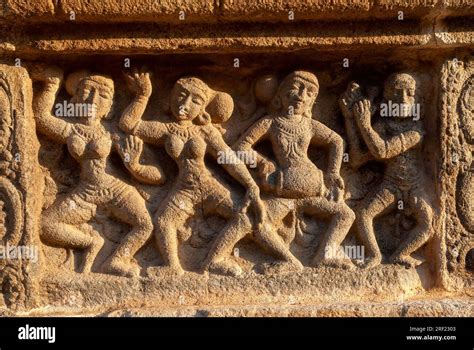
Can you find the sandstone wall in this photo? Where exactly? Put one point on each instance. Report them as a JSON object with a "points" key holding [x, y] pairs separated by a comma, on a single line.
{"points": [[236, 157]]}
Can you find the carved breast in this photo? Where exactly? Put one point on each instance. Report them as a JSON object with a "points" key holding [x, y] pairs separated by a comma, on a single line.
{"points": [[193, 148], [83, 146]]}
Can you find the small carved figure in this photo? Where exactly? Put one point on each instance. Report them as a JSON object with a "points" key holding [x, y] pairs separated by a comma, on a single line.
{"points": [[90, 144], [294, 181], [395, 139]]}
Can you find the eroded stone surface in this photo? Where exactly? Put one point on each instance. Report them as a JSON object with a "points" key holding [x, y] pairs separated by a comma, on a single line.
{"points": [[245, 176]]}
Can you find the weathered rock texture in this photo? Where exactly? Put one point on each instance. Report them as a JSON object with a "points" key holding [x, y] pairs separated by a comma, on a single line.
{"points": [[226, 158]]}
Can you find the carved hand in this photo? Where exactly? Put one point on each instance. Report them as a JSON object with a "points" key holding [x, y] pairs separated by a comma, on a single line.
{"points": [[131, 151], [265, 167], [335, 181], [349, 97], [139, 82], [336, 186], [363, 112], [253, 199], [344, 105]]}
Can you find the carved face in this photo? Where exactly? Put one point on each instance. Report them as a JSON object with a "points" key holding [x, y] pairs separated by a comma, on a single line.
{"points": [[401, 89], [187, 101], [297, 96], [95, 94]]}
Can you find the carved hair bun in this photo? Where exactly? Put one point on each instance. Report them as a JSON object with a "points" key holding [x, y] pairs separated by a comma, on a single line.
{"points": [[73, 80], [266, 88], [220, 107]]}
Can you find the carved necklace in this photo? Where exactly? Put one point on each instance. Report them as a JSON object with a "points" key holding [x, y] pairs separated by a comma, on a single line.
{"points": [[184, 132], [289, 127], [289, 131], [88, 133]]}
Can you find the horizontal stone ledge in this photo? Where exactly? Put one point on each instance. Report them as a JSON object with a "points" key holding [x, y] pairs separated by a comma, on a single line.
{"points": [[206, 11], [163, 39], [452, 306], [312, 286]]}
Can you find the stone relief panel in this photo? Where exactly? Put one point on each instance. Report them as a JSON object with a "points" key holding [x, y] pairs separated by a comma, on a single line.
{"points": [[127, 180], [218, 157], [152, 174]]}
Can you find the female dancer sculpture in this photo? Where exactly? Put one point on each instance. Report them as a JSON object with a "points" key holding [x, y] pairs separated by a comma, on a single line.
{"points": [[295, 182], [90, 144]]}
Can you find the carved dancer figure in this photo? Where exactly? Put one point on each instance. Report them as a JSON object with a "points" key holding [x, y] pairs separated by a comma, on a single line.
{"points": [[396, 141], [294, 181], [90, 144], [187, 140]]}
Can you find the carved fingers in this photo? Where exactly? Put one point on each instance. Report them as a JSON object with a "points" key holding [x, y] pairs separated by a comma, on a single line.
{"points": [[347, 100], [131, 150], [363, 111], [139, 81]]}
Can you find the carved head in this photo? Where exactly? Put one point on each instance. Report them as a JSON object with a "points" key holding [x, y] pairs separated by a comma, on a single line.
{"points": [[97, 90], [401, 88], [297, 93], [189, 99]]}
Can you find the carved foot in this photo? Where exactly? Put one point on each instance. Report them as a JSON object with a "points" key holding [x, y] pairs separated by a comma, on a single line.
{"points": [[121, 268], [406, 261], [370, 262], [280, 267], [226, 268]]}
